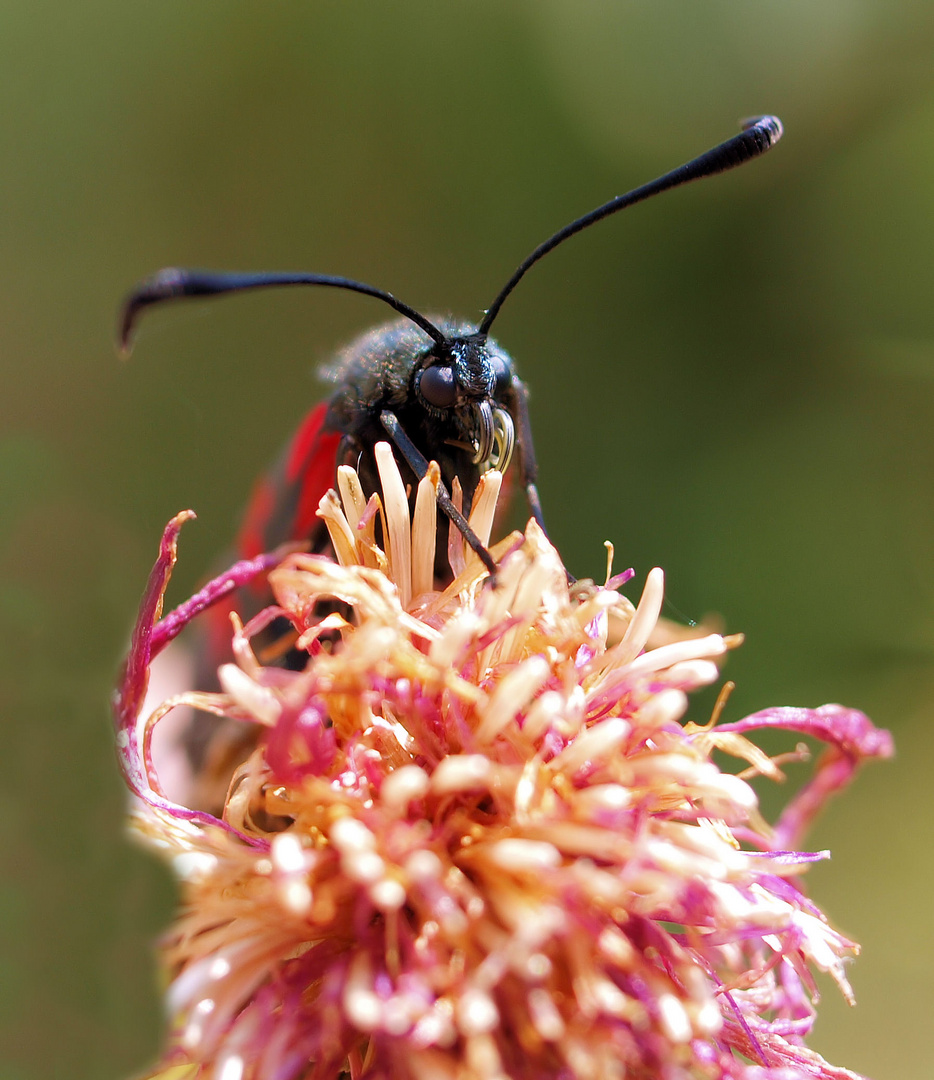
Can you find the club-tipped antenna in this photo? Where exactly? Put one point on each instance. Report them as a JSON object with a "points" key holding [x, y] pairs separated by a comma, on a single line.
{"points": [[757, 136], [175, 284]]}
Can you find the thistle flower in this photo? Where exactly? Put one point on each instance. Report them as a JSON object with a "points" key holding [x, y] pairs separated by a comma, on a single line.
{"points": [[477, 837]]}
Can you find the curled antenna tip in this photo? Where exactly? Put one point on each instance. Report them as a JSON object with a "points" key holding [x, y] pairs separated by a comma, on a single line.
{"points": [[161, 286], [125, 328]]}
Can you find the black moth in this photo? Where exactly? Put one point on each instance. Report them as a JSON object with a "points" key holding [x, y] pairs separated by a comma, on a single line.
{"points": [[443, 393]]}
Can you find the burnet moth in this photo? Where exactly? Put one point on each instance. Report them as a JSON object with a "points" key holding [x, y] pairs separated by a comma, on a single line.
{"points": [[442, 392]]}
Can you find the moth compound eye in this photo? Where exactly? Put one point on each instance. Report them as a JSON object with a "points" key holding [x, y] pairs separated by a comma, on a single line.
{"points": [[502, 373], [437, 386]]}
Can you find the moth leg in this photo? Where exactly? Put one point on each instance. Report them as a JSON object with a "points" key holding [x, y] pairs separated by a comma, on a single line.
{"points": [[529, 466], [419, 466]]}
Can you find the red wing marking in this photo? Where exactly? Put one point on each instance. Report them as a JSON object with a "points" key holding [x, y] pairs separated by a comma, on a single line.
{"points": [[284, 503], [312, 464]]}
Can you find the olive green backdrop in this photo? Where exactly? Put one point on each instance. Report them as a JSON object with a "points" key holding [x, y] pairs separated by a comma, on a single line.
{"points": [[735, 381]]}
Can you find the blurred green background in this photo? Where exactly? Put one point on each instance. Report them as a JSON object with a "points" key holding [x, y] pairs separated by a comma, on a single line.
{"points": [[735, 381]]}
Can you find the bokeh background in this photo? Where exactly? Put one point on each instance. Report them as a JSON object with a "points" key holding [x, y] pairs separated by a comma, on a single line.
{"points": [[735, 381]]}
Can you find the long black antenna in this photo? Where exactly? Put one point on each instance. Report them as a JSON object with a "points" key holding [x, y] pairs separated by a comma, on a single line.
{"points": [[757, 136], [174, 284]]}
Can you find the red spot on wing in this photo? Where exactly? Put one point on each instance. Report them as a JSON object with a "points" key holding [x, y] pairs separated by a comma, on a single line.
{"points": [[284, 503], [312, 463], [303, 441], [283, 506]]}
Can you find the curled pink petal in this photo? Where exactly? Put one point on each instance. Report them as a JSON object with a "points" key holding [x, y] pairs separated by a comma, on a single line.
{"points": [[852, 739]]}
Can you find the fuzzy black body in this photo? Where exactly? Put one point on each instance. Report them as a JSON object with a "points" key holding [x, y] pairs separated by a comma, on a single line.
{"points": [[380, 372]]}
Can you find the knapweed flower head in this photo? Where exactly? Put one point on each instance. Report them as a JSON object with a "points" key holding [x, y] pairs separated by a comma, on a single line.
{"points": [[478, 837]]}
